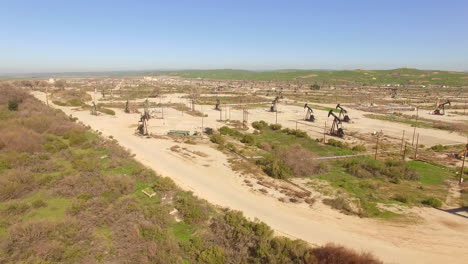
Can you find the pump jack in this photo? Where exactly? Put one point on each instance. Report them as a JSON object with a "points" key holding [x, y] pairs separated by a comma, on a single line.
{"points": [[440, 110], [310, 114], [273, 104], [127, 107], [217, 105], [94, 109], [143, 126], [336, 129], [343, 116]]}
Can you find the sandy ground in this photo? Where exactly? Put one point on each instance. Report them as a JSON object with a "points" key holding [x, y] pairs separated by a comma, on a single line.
{"points": [[442, 236], [292, 116]]}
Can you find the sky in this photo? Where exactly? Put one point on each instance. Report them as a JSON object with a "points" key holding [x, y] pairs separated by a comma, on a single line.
{"points": [[102, 35]]}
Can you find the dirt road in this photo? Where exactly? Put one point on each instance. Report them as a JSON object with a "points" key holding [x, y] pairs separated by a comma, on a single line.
{"points": [[442, 238]]}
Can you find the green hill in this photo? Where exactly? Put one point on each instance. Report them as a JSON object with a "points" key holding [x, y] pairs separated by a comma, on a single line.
{"points": [[395, 76]]}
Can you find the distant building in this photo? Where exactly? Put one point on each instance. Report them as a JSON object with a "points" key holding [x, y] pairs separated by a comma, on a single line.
{"points": [[51, 81]]}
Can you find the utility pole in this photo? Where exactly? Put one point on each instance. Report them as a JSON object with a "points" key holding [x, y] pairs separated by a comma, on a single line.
{"points": [[376, 146], [417, 146], [47, 94], [463, 164], [414, 131], [324, 131], [276, 116], [402, 141], [404, 152]]}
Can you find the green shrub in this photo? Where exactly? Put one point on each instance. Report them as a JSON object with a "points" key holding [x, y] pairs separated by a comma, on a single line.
{"points": [[193, 211], [337, 143], [431, 201], [295, 132], [217, 139], [16, 208], [75, 138], [391, 169], [13, 105], [55, 145], [248, 139], [230, 132], [275, 126], [212, 255], [39, 203], [106, 110], [439, 148], [400, 198], [340, 204], [260, 125], [359, 148], [74, 102], [274, 167]]}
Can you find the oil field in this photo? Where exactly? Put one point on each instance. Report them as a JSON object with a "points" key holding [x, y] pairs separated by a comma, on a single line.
{"points": [[316, 161], [234, 132]]}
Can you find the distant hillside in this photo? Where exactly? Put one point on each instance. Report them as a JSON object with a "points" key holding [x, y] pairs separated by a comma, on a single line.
{"points": [[400, 76]]}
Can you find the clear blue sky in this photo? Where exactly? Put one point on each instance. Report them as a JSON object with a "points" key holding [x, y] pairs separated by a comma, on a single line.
{"points": [[82, 35]]}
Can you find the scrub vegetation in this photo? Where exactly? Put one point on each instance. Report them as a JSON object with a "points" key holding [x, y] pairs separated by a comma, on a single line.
{"points": [[360, 185], [70, 196]]}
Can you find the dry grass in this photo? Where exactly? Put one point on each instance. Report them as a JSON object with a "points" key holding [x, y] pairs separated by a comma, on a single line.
{"points": [[334, 254], [301, 161]]}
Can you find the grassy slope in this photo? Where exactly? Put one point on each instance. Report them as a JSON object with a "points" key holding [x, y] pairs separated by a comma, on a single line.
{"points": [[401, 76], [368, 191], [69, 196]]}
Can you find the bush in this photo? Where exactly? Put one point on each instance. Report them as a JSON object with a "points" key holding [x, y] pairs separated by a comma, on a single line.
{"points": [[39, 203], [295, 132], [230, 132], [359, 148], [13, 105], [106, 110], [193, 211], [212, 255], [301, 161], [274, 167], [431, 201], [260, 125], [248, 139], [439, 148], [55, 145], [217, 139], [275, 126], [76, 138], [21, 139], [339, 203], [337, 143], [400, 198], [391, 169], [333, 254]]}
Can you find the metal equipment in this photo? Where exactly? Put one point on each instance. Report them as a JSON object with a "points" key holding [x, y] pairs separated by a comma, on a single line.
{"points": [[142, 127], [127, 107], [94, 109], [343, 114], [463, 153], [218, 103], [273, 104], [440, 110], [336, 129], [310, 114], [393, 92], [146, 112]]}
